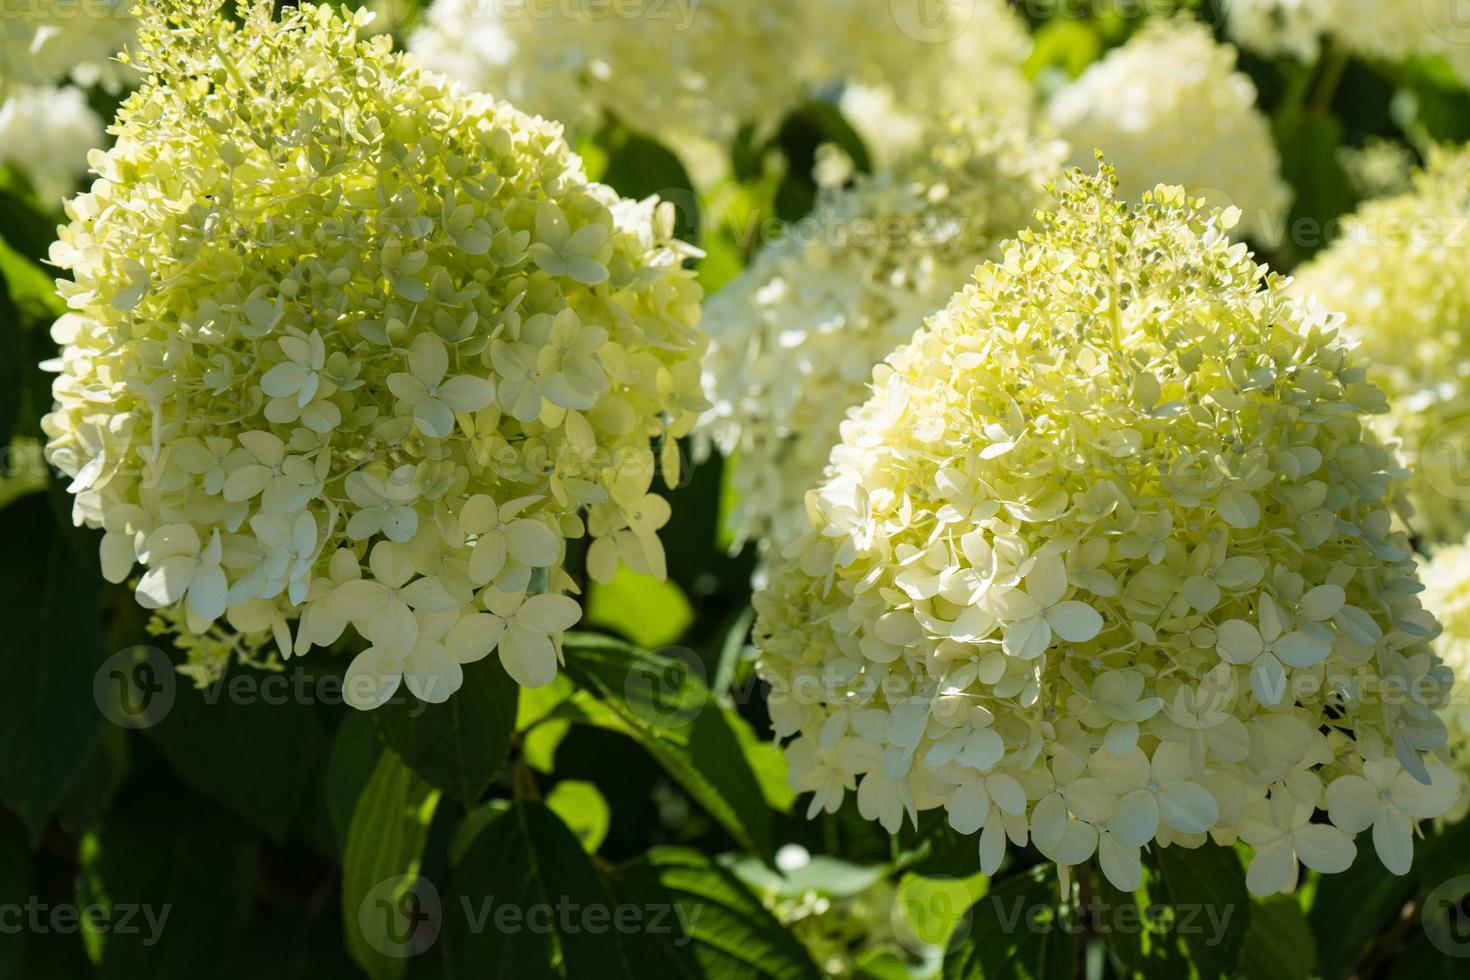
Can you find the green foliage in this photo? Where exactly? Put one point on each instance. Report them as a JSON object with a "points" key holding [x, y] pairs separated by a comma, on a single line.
{"points": [[520, 901], [248, 837], [668, 709], [723, 931], [1019, 929], [381, 885], [459, 746], [49, 596]]}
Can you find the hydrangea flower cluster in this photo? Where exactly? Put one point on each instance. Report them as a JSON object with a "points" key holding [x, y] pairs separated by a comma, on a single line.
{"points": [[723, 63], [1106, 562], [1398, 271], [46, 133], [49, 51], [1447, 596], [679, 70], [905, 67], [348, 346], [794, 339], [43, 41], [1169, 107], [1371, 29]]}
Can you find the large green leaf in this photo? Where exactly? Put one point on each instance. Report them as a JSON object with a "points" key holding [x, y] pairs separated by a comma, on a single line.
{"points": [[272, 738], [350, 765], [1279, 944], [15, 885], [460, 746], [48, 719], [639, 167], [12, 361], [1205, 888], [526, 902], [663, 704], [1018, 930], [389, 911], [1189, 917], [720, 929], [178, 877], [1352, 909]]}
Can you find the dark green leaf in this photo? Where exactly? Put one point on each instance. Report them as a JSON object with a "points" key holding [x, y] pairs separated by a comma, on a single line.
{"points": [[178, 877], [389, 912], [12, 361], [526, 902], [1279, 944], [1205, 887], [48, 719], [1310, 162], [26, 230], [350, 764], [1018, 930], [720, 929], [665, 706], [15, 885], [639, 166], [1351, 909], [460, 746], [250, 718]]}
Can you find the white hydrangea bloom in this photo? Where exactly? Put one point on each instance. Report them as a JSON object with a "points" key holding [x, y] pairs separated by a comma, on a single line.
{"points": [[1169, 107], [906, 65], [46, 41], [682, 71], [536, 63], [1400, 273], [1293, 28], [1106, 562], [1372, 29], [1447, 596], [46, 133], [794, 339], [691, 73], [373, 370]]}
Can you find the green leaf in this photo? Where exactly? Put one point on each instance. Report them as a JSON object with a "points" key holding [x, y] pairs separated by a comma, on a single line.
{"points": [[648, 611], [243, 719], [1310, 162], [179, 872], [15, 886], [934, 909], [639, 166], [1018, 930], [460, 746], [1352, 909], [1279, 944], [387, 908], [720, 928], [583, 808], [26, 230], [1205, 886], [350, 765], [528, 903], [12, 359], [48, 718], [1190, 917], [664, 706]]}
